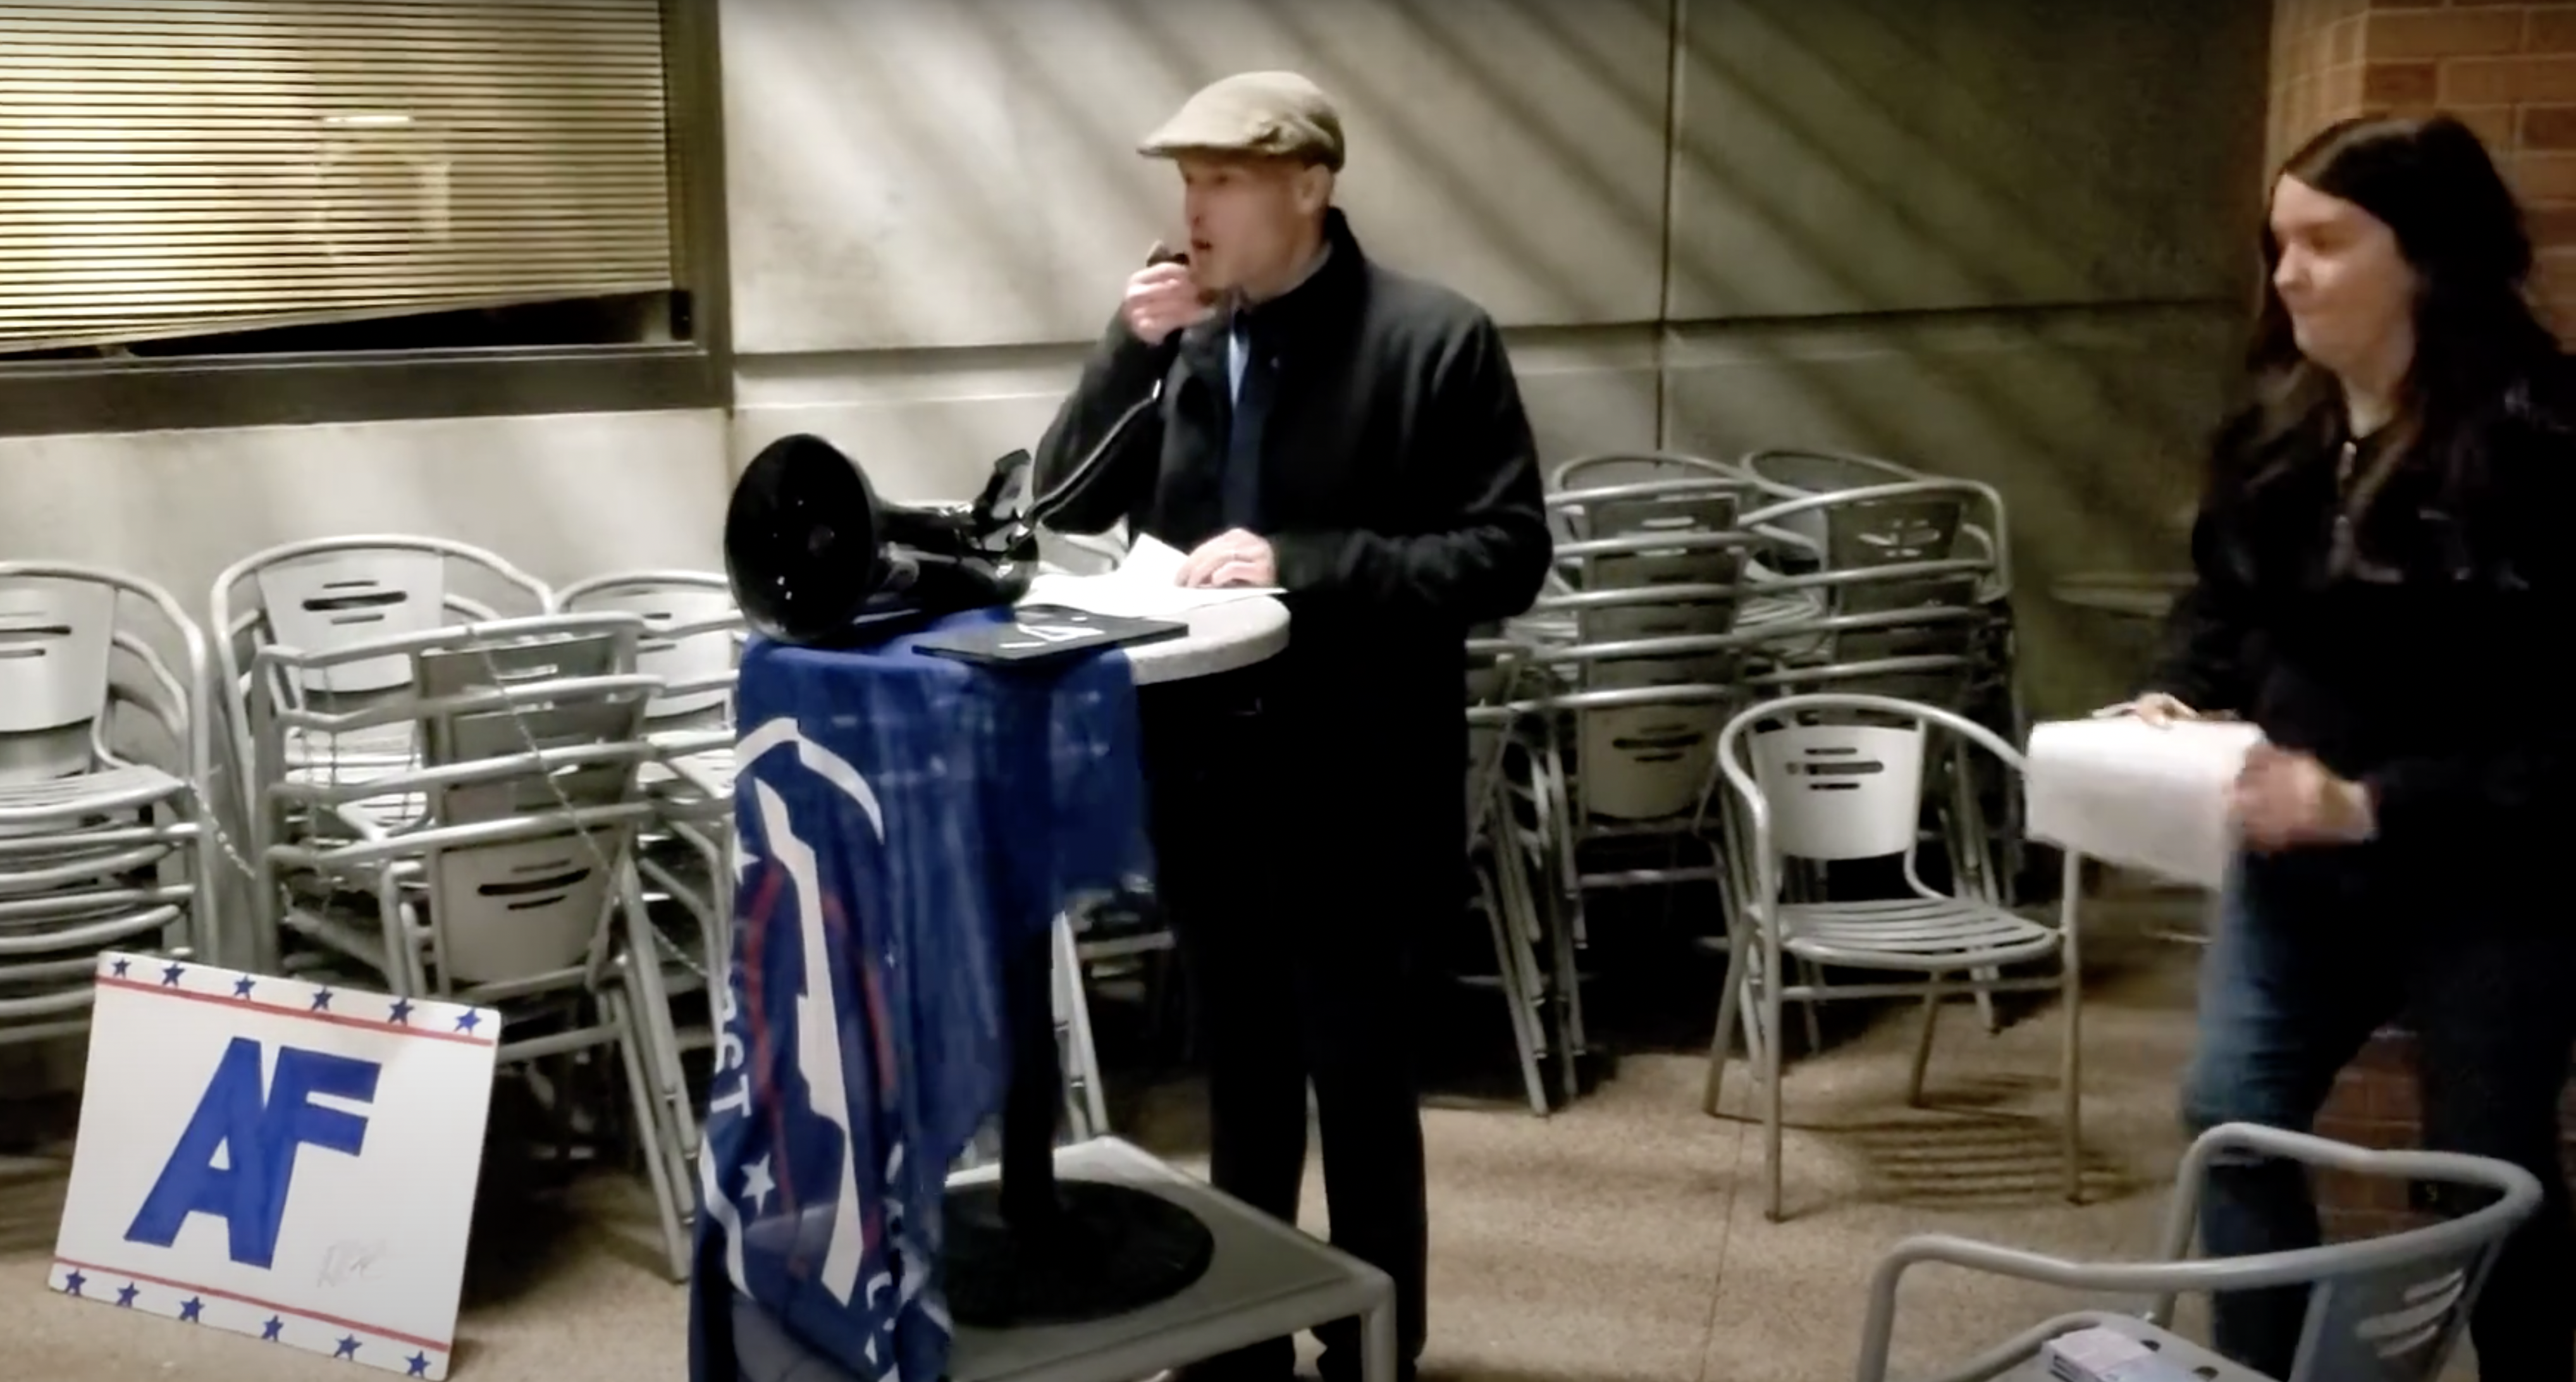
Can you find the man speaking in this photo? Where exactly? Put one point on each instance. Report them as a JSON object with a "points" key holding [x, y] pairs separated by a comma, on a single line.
{"points": [[1353, 435]]}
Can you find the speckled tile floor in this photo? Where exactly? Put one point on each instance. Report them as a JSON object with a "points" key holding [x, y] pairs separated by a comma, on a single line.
{"points": [[1621, 1239]]}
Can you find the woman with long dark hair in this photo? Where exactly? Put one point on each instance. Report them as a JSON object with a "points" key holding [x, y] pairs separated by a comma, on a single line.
{"points": [[2386, 565]]}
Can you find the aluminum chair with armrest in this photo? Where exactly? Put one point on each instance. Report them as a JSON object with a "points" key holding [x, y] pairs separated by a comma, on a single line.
{"points": [[1826, 784], [2386, 1309]]}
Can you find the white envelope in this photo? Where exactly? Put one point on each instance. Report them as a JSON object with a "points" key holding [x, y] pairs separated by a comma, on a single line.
{"points": [[2133, 794]]}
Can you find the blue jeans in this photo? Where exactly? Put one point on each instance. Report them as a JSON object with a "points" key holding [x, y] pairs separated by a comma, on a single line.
{"points": [[2312, 955]]}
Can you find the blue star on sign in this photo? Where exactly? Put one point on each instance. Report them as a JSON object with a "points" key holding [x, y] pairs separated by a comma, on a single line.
{"points": [[419, 1364], [468, 1021], [268, 1331], [401, 1013], [121, 966], [189, 1308], [241, 986], [170, 976], [72, 1284], [125, 1294], [322, 1000], [348, 1347]]}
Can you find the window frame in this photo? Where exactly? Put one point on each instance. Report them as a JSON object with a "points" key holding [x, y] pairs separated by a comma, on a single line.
{"points": [[53, 397]]}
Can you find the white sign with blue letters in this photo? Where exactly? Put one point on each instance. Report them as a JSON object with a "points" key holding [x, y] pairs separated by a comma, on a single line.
{"points": [[283, 1159]]}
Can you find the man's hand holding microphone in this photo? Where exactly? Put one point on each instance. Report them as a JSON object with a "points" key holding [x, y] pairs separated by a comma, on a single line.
{"points": [[1164, 298]]}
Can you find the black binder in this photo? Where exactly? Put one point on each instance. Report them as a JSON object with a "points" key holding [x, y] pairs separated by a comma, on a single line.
{"points": [[1044, 635]]}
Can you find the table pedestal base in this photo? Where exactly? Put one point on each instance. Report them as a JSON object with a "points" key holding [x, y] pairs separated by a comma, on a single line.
{"points": [[1106, 1250]]}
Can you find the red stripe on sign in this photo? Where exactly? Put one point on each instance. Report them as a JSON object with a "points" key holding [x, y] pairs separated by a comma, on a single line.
{"points": [[335, 1019], [271, 1307]]}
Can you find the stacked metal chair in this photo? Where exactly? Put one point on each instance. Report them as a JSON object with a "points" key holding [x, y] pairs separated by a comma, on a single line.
{"points": [[1875, 536], [1512, 868], [511, 885], [105, 840], [693, 646], [1688, 593], [1634, 654], [325, 595], [441, 778]]}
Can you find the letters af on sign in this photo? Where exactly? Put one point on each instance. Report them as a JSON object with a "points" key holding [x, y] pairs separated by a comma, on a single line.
{"points": [[283, 1159]]}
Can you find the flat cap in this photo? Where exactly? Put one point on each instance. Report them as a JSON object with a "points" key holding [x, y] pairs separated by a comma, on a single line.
{"points": [[1273, 114]]}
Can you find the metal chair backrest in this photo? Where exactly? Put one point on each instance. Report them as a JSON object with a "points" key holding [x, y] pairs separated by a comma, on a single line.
{"points": [[99, 670], [1910, 524], [523, 907], [1932, 656], [1579, 487], [2385, 1309], [55, 637], [1646, 711], [1651, 586], [1834, 776], [72, 653], [1647, 562], [695, 646], [1792, 473], [330, 594], [1614, 468], [1699, 504], [1840, 791], [290, 796], [1658, 622], [530, 739]]}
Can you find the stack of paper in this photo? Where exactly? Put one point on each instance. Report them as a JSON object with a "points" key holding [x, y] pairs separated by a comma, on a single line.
{"points": [[1145, 586], [2106, 1355], [2140, 795]]}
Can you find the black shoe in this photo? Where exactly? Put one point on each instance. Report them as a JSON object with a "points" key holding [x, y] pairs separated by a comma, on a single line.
{"points": [[1333, 1371], [1230, 1372]]}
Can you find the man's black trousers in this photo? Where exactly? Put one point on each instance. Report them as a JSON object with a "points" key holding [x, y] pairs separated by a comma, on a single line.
{"points": [[1299, 880]]}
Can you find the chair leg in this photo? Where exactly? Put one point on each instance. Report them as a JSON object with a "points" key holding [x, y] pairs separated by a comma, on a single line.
{"points": [[1083, 1061], [1502, 922], [1972, 864], [1814, 978], [659, 1035], [1923, 1048], [1572, 1042], [1771, 1089], [1729, 1005], [2071, 1074], [657, 1164], [2070, 959]]}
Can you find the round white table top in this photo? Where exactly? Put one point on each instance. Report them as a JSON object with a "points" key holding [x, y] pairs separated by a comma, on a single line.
{"points": [[1222, 638]]}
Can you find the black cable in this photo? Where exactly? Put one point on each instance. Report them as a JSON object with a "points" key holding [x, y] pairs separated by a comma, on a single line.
{"points": [[1044, 508]]}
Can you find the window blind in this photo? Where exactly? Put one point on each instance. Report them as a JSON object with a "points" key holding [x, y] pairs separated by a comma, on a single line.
{"points": [[189, 167]]}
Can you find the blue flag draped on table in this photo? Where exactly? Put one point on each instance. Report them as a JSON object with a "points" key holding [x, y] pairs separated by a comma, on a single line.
{"points": [[900, 819]]}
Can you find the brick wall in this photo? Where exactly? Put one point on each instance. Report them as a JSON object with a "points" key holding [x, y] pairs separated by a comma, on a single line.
{"points": [[2317, 68], [2508, 70], [2374, 1105]]}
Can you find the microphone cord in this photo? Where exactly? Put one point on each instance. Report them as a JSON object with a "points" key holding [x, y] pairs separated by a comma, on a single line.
{"points": [[1047, 506]]}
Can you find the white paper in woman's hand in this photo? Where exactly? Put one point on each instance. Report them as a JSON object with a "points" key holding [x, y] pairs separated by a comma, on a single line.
{"points": [[2145, 796]]}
